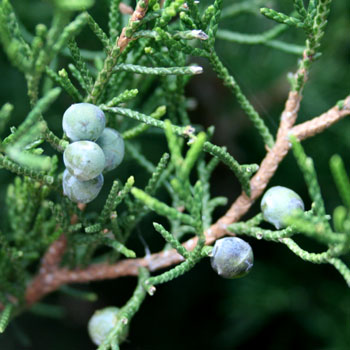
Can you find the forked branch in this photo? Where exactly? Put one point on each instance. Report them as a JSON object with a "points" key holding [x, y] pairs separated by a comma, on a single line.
{"points": [[49, 280]]}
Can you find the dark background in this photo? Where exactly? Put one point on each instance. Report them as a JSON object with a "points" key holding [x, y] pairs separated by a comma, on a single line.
{"points": [[284, 303]]}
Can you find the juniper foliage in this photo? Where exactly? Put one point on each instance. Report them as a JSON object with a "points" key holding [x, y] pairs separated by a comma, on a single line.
{"points": [[138, 77]]}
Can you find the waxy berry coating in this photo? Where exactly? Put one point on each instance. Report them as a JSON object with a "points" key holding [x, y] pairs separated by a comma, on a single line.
{"points": [[112, 145], [81, 191], [279, 202], [102, 322], [232, 257], [84, 159], [83, 121]]}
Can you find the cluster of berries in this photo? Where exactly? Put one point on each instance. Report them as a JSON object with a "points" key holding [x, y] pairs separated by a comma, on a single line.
{"points": [[94, 149]]}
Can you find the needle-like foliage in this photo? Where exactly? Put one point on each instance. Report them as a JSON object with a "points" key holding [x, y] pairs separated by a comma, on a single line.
{"points": [[139, 75]]}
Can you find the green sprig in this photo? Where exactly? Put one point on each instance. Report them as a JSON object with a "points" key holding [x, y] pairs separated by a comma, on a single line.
{"points": [[175, 272], [100, 34], [214, 21], [79, 77], [342, 268], [265, 38], [299, 7], [306, 165], [126, 313], [63, 80], [315, 258], [171, 240], [247, 107], [339, 216], [5, 317], [70, 31], [141, 128], [241, 228], [5, 113], [35, 114], [110, 202], [174, 145], [316, 227], [243, 173], [145, 119], [11, 38], [192, 155], [341, 179], [161, 208], [114, 20], [282, 18], [79, 294], [119, 247], [21, 170], [191, 70], [170, 12], [81, 65], [158, 175], [123, 97]]}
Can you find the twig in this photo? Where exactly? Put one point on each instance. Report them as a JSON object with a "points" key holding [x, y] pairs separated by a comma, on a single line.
{"points": [[54, 255], [137, 15], [53, 279], [49, 264], [115, 52], [317, 125], [51, 260]]}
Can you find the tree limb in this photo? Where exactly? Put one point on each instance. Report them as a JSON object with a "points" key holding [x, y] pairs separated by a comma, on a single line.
{"points": [[49, 280]]}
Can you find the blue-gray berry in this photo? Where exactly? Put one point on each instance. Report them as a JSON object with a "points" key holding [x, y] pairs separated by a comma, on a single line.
{"points": [[102, 322], [84, 159], [112, 145], [232, 257], [83, 121], [279, 202], [81, 191]]}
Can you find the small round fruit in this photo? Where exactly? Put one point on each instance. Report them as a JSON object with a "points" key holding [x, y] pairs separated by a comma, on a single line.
{"points": [[112, 145], [84, 159], [279, 202], [232, 257], [81, 191], [102, 322], [83, 121]]}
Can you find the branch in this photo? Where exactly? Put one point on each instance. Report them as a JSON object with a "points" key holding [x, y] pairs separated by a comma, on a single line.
{"points": [[317, 125], [267, 167], [50, 261], [137, 15], [115, 52], [49, 264], [53, 279], [49, 280]]}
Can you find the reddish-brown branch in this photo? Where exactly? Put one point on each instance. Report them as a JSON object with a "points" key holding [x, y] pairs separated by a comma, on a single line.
{"points": [[52, 280], [324, 121], [51, 260], [53, 256], [137, 15], [49, 264], [268, 166]]}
